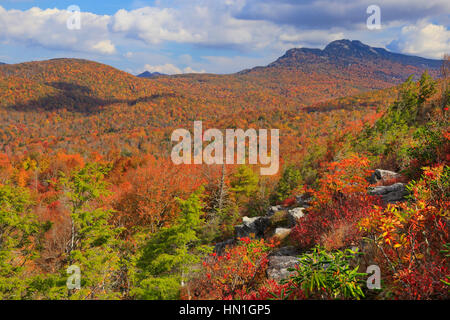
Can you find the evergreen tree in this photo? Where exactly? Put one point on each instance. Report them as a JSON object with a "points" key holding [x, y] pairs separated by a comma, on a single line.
{"points": [[19, 232], [244, 183], [94, 243], [289, 181], [168, 256]]}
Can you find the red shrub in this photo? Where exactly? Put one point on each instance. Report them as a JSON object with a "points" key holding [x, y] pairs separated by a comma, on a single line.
{"points": [[230, 276], [289, 202], [344, 214], [273, 290]]}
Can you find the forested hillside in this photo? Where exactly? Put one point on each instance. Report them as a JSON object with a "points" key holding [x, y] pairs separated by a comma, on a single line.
{"points": [[86, 180]]}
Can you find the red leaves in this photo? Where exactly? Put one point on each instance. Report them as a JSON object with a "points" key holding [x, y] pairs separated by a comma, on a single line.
{"points": [[288, 202], [412, 236], [273, 290], [146, 195], [234, 273], [340, 202]]}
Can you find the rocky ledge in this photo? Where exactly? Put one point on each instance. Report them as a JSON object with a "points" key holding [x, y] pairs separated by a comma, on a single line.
{"points": [[280, 220]]}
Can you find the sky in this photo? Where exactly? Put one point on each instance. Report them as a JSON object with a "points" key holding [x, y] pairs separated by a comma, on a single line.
{"points": [[213, 36]]}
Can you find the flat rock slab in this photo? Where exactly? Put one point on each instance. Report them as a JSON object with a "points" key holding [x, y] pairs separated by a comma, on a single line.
{"points": [[278, 265], [383, 175], [282, 233], [390, 194]]}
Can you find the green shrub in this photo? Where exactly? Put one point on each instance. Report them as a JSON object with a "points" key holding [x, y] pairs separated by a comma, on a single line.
{"points": [[328, 275]]}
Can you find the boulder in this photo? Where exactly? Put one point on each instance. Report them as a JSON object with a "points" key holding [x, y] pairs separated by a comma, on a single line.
{"points": [[252, 226], [286, 251], [279, 265], [294, 215], [381, 175], [272, 210], [282, 233], [249, 221], [390, 194]]}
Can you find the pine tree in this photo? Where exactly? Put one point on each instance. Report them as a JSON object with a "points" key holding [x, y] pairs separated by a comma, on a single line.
{"points": [[168, 256], [244, 183], [289, 181], [94, 243], [19, 231]]}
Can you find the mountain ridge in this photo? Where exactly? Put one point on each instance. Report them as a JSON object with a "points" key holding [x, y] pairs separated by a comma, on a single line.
{"points": [[341, 51], [301, 77], [148, 74]]}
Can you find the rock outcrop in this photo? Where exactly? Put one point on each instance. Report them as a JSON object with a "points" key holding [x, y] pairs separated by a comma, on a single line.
{"points": [[282, 233], [258, 226], [272, 210], [381, 175], [279, 265], [294, 215], [252, 226], [390, 194], [278, 221], [303, 200]]}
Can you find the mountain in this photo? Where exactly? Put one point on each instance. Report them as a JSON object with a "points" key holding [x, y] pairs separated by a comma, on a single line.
{"points": [[148, 74], [298, 79], [79, 106], [348, 52], [75, 84], [342, 68]]}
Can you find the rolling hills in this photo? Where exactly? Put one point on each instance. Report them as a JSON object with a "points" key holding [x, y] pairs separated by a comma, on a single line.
{"points": [[301, 76], [306, 92]]}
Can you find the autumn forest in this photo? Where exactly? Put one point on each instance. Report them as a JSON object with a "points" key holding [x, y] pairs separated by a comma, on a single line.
{"points": [[92, 206]]}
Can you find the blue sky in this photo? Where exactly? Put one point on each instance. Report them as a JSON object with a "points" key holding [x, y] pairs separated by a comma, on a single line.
{"points": [[218, 36]]}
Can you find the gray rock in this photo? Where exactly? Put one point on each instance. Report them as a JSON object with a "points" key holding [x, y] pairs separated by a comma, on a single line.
{"points": [[285, 251], [294, 215], [278, 265], [249, 221], [383, 175], [272, 210], [396, 196], [390, 194], [256, 226], [282, 233]]}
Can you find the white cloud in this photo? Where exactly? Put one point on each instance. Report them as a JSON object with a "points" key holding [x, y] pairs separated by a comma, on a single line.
{"points": [[151, 25], [169, 68], [193, 24], [105, 47], [221, 64], [425, 39], [190, 70], [257, 32], [48, 28]]}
